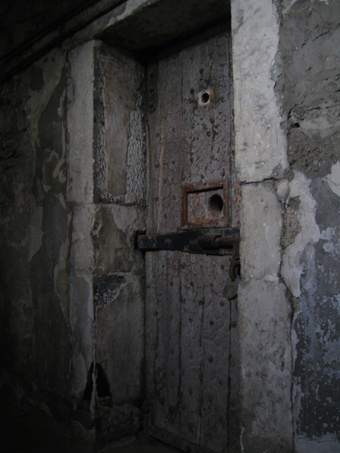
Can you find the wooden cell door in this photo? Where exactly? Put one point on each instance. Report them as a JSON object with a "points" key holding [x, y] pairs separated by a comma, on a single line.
{"points": [[193, 203]]}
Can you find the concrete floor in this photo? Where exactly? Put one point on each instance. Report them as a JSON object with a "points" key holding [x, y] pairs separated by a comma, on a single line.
{"points": [[23, 432]]}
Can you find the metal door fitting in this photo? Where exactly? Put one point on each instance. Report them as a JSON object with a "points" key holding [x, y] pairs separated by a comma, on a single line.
{"points": [[200, 241]]}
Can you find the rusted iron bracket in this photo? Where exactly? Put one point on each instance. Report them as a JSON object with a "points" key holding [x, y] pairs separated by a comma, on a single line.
{"points": [[212, 241]]}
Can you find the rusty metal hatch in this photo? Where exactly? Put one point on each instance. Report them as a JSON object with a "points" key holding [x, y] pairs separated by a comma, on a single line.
{"points": [[192, 233]]}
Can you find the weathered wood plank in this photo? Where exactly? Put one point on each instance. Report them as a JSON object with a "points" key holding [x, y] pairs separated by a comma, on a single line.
{"points": [[206, 126], [187, 318], [215, 341], [170, 117], [191, 348], [163, 320]]}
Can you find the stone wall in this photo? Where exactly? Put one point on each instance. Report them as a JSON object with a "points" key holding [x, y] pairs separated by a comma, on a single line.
{"points": [[120, 201], [36, 225], [310, 240], [264, 305], [286, 71], [72, 283]]}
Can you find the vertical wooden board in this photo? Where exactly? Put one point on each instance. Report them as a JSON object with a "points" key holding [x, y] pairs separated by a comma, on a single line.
{"points": [[119, 90], [170, 141], [191, 348], [163, 319], [234, 381], [215, 339], [206, 128], [190, 88], [154, 133], [151, 327], [218, 51], [200, 123], [204, 351]]}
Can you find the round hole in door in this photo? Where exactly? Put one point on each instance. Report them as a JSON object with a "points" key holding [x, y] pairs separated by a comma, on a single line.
{"points": [[205, 97], [216, 203]]}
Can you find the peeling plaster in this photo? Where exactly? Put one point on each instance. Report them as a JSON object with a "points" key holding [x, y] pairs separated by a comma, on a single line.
{"points": [[333, 179], [291, 261], [52, 66], [80, 125]]}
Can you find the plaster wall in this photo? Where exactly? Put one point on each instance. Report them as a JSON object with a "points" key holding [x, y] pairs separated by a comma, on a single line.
{"points": [[311, 254], [72, 287], [286, 97], [36, 226], [264, 308]]}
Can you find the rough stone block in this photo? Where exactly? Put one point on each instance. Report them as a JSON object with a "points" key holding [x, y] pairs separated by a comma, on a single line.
{"points": [[260, 143], [113, 235], [266, 367], [261, 227], [117, 422], [119, 133], [80, 124], [82, 254], [119, 339], [81, 322]]}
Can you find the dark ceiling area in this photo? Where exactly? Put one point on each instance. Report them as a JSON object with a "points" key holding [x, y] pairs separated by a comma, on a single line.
{"points": [[165, 24], [30, 29], [22, 22]]}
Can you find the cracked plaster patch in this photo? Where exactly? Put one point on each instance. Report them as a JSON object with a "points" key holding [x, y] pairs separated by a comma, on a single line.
{"points": [[291, 266], [52, 66], [318, 123], [332, 244], [333, 179]]}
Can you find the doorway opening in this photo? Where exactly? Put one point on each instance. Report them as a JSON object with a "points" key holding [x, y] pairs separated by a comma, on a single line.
{"points": [[191, 339]]}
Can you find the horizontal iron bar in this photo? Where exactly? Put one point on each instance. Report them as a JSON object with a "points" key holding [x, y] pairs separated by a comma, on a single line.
{"points": [[212, 241]]}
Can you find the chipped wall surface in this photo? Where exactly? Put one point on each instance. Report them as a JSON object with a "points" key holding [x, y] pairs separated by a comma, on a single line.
{"points": [[80, 124], [264, 308], [72, 293], [309, 50], [286, 71], [264, 311], [36, 225], [119, 175], [309, 41], [119, 192]]}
